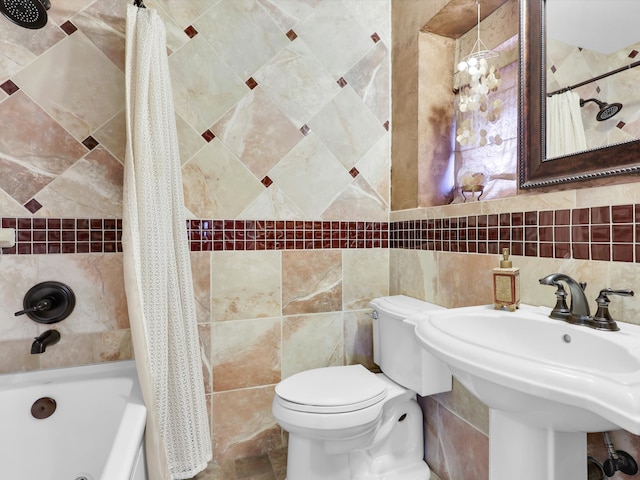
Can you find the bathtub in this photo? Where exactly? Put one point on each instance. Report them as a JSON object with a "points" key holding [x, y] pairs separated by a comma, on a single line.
{"points": [[76, 423]]}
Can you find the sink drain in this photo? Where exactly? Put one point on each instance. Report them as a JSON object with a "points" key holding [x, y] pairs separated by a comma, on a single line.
{"points": [[43, 408]]}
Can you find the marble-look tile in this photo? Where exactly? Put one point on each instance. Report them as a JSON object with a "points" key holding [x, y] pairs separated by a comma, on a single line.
{"points": [[310, 168], [113, 135], [201, 275], [272, 204], [22, 270], [204, 340], [92, 187], [245, 353], [243, 33], [465, 405], [204, 86], [69, 94], [370, 78], [243, 425], [104, 24], [297, 82], [189, 141], [465, 279], [113, 346], [335, 37], [288, 14], [71, 350], [365, 276], [175, 34], [218, 471], [311, 281], [347, 127], [185, 13], [359, 200], [96, 280], [217, 184], [63, 10], [414, 273], [257, 132], [10, 207], [454, 449], [15, 356], [34, 148], [233, 298], [375, 166], [358, 338], [374, 16], [312, 341]]}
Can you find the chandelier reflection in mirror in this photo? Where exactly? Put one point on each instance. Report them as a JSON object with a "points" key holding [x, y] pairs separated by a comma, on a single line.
{"points": [[479, 110]]}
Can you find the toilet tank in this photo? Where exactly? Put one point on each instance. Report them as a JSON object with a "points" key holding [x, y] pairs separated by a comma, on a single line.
{"points": [[396, 350]]}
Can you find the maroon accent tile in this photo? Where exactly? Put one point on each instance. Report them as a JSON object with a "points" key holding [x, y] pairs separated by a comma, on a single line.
{"points": [[386, 125], [622, 252], [354, 172], [600, 215], [562, 250], [546, 250], [580, 216], [580, 233], [581, 251], [633, 53], [600, 233], [621, 125], [492, 220], [251, 83], [375, 37], [33, 205], [9, 87], [546, 217], [531, 249], [68, 27], [342, 82], [622, 213], [191, 31], [517, 233], [622, 233], [553, 68], [545, 234], [505, 219], [562, 217], [291, 35], [304, 129], [600, 251], [531, 218], [208, 135], [266, 181], [90, 142], [561, 234]]}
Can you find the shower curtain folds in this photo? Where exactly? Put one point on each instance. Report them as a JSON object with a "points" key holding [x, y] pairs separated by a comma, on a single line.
{"points": [[157, 267], [565, 130]]}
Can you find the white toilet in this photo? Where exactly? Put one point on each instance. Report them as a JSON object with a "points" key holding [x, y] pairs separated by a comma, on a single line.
{"points": [[347, 423]]}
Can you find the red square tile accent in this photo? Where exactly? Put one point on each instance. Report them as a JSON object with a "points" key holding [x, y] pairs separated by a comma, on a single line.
{"points": [[266, 181], [633, 53], [291, 35], [375, 37], [304, 129], [562, 217], [354, 172], [600, 251], [562, 250], [622, 233], [580, 216], [190, 31], [581, 251], [600, 233], [622, 213], [386, 125], [9, 87], [342, 82], [68, 27], [561, 234], [90, 142], [580, 233], [546, 250], [531, 218], [620, 125], [208, 135], [546, 217], [33, 205], [251, 83], [622, 252], [600, 215]]}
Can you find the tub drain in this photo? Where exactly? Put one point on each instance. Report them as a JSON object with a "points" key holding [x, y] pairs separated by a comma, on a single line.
{"points": [[43, 408]]}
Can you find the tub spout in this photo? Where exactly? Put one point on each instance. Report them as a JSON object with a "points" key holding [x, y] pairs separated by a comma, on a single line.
{"points": [[40, 344]]}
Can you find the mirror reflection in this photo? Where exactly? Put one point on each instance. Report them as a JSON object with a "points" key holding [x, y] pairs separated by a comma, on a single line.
{"points": [[592, 75]]}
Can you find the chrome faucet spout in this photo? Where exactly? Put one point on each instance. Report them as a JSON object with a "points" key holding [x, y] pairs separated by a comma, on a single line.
{"points": [[579, 304]]}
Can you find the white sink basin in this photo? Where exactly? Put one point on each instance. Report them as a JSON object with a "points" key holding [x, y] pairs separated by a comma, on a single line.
{"points": [[544, 381]]}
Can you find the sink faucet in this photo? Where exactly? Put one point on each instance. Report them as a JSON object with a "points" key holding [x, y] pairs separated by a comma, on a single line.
{"points": [[579, 311], [40, 343]]}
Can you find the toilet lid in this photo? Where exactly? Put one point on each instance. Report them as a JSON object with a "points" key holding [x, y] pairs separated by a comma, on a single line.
{"points": [[332, 390]]}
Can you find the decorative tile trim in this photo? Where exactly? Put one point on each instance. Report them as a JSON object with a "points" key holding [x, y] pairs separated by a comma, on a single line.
{"points": [[64, 235], [609, 233]]}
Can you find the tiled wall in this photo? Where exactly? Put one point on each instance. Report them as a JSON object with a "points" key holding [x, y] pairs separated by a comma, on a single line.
{"points": [[283, 111]]}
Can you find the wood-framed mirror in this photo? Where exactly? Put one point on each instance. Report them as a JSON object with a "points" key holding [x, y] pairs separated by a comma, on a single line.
{"points": [[587, 168]]}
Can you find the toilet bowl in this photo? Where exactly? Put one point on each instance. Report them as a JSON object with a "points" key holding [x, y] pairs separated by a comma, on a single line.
{"points": [[348, 423]]}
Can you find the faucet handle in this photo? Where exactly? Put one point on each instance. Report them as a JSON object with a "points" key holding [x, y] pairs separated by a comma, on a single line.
{"points": [[561, 311], [602, 319]]}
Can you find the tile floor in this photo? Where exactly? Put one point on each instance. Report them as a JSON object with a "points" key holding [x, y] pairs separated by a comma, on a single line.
{"points": [[272, 466]]}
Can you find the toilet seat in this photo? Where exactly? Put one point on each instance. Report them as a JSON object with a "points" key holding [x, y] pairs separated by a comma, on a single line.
{"points": [[331, 390]]}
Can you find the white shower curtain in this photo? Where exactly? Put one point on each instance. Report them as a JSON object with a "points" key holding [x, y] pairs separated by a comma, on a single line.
{"points": [[157, 268], [565, 131]]}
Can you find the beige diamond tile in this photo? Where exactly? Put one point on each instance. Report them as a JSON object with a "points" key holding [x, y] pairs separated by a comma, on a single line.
{"points": [[273, 204], [257, 132], [34, 149], [335, 37], [373, 15], [84, 94], [219, 185], [370, 79], [347, 127], [184, 13], [189, 141], [9, 207], [311, 176], [297, 82], [113, 135], [204, 87], [288, 14], [243, 33], [92, 187], [375, 166], [359, 201], [63, 10]]}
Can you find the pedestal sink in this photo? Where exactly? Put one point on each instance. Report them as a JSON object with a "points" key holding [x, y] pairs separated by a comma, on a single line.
{"points": [[546, 383]]}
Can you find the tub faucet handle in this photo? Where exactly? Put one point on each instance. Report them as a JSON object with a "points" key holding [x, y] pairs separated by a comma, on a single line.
{"points": [[41, 306]]}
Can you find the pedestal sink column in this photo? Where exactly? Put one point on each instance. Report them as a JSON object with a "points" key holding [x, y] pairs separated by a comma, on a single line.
{"points": [[520, 451]]}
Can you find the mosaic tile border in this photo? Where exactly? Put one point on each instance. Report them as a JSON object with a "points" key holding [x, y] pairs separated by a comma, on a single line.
{"points": [[608, 233]]}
